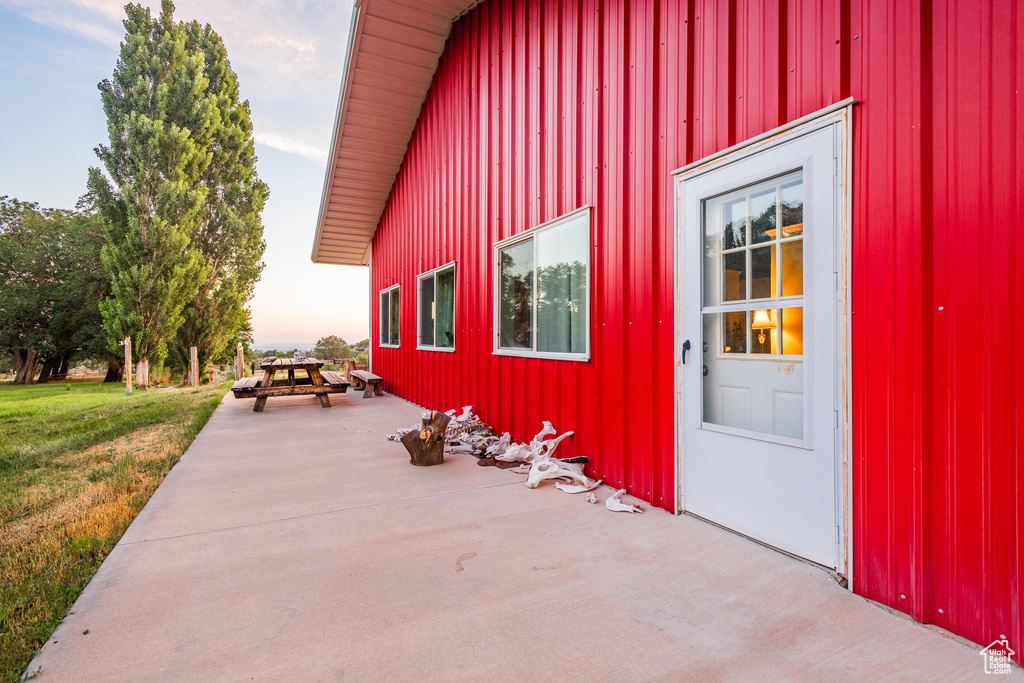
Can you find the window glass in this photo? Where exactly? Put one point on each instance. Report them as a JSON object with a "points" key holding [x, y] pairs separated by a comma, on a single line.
{"points": [[543, 289], [389, 299], [393, 339], [562, 287], [752, 349], [427, 311], [516, 325], [752, 264], [444, 322], [762, 216], [437, 309]]}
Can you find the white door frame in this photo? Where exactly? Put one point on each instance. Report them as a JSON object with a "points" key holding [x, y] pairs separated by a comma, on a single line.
{"points": [[840, 115]]}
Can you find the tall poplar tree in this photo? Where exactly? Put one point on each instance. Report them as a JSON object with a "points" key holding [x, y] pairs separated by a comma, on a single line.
{"points": [[229, 233], [180, 198]]}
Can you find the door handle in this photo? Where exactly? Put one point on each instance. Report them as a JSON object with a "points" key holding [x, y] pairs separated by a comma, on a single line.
{"points": [[686, 347]]}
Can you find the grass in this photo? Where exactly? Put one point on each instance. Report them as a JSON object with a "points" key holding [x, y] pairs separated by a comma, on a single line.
{"points": [[77, 464]]}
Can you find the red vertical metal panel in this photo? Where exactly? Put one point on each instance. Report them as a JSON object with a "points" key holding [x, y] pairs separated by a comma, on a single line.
{"points": [[540, 107]]}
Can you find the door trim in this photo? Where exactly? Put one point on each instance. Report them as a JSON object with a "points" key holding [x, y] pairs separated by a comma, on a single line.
{"points": [[839, 115]]}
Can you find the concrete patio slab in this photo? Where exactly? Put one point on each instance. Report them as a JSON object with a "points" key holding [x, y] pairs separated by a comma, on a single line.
{"points": [[299, 544]]}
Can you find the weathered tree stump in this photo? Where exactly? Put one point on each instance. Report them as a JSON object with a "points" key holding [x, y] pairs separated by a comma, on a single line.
{"points": [[426, 447]]}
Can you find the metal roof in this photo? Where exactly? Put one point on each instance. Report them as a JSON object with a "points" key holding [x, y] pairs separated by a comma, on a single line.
{"points": [[393, 50]]}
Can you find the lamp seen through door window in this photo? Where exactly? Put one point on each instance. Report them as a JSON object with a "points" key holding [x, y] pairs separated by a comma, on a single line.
{"points": [[762, 322]]}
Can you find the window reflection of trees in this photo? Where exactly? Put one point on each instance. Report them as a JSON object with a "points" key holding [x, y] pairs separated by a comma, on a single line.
{"points": [[561, 308], [516, 303]]}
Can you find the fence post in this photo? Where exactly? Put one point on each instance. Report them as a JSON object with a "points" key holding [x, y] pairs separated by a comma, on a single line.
{"points": [[193, 366], [127, 344], [239, 362]]}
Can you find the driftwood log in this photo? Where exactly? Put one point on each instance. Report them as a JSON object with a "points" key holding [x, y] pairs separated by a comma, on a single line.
{"points": [[426, 447]]}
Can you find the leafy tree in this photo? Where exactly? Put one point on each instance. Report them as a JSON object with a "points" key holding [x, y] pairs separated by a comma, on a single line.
{"points": [[52, 283], [330, 347], [361, 346], [161, 120], [229, 233], [226, 355]]}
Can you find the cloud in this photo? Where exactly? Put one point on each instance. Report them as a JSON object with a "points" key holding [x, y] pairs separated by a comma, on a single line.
{"points": [[288, 55], [310, 150], [68, 20]]}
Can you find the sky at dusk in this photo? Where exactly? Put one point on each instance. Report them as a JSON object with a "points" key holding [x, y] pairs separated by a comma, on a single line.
{"points": [[288, 57]]}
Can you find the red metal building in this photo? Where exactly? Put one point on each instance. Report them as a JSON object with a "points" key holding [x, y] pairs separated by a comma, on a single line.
{"points": [[466, 125]]}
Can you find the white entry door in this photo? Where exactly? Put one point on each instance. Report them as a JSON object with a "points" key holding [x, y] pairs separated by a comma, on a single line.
{"points": [[759, 280]]}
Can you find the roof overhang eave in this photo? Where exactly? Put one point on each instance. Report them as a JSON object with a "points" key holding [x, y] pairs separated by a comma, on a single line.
{"points": [[418, 42]]}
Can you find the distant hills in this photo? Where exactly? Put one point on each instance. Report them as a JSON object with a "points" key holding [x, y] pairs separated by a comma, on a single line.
{"points": [[284, 346]]}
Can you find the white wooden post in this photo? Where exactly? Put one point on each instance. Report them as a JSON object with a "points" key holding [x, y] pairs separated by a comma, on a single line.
{"points": [[239, 362], [127, 344]]}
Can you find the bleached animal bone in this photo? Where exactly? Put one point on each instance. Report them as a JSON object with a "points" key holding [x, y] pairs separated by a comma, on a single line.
{"points": [[591, 498], [516, 452], [548, 429], [548, 446], [552, 468], [467, 414], [615, 504], [569, 488], [519, 452], [500, 445]]}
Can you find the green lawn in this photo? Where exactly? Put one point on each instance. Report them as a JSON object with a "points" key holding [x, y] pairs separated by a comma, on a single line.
{"points": [[77, 463]]}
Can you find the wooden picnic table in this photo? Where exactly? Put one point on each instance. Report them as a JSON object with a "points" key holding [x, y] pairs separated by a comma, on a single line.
{"points": [[316, 382]]}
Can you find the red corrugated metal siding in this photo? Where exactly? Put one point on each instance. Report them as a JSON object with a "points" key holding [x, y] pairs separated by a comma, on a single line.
{"points": [[540, 107]]}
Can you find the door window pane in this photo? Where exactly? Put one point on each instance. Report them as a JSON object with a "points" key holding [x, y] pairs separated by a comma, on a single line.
{"points": [[793, 268], [762, 267], [734, 288], [735, 332], [516, 321], [792, 209], [762, 216], [763, 339], [759, 395], [793, 331], [734, 232]]}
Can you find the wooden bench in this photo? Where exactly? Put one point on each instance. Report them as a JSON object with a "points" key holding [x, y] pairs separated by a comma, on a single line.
{"points": [[334, 379], [369, 382], [244, 385]]}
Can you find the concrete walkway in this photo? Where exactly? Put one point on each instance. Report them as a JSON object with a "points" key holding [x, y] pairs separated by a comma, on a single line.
{"points": [[299, 544]]}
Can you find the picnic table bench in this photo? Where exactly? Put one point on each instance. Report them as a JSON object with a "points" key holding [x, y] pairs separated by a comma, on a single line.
{"points": [[316, 382], [369, 382]]}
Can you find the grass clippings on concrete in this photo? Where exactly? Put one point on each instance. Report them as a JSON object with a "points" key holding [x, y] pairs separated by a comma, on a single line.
{"points": [[77, 464]]}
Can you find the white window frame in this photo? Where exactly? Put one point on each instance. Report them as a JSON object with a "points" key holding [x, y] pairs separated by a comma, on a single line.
{"points": [[419, 313], [531, 234], [387, 292]]}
